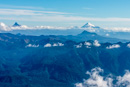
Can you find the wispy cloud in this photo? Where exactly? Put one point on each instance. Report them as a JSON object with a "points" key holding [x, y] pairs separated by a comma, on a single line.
{"points": [[21, 7], [86, 8], [119, 29], [48, 16], [53, 17], [26, 12]]}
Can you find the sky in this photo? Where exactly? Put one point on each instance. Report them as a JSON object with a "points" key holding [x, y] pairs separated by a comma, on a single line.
{"points": [[103, 13]]}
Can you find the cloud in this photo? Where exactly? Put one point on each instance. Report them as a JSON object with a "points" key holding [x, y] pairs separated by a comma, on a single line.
{"points": [[55, 18], [79, 45], [117, 29], [32, 45], [124, 80], [21, 7], [4, 27], [113, 46], [29, 13], [87, 8], [128, 45], [48, 45], [97, 79], [96, 43], [48, 16], [58, 44], [107, 35], [54, 44], [26, 12], [87, 43]]}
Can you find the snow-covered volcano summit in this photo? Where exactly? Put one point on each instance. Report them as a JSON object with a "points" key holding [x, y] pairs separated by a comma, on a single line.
{"points": [[89, 25]]}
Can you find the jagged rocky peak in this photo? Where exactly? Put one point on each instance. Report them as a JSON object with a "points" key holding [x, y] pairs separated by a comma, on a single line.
{"points": [[16, 24]]}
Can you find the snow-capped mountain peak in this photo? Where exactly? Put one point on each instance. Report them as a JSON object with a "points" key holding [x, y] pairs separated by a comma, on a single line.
{"points": [[89, 25]]}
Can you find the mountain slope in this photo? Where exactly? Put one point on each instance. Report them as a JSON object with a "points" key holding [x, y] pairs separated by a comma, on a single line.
{"points": [[42, 61]]}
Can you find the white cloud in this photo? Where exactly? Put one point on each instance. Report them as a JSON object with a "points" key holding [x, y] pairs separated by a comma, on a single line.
{"points": [[124, 80], [8, 28], [48, 16], [79, 46], [88, 47], [26, 12], [39, 14], [87, 43], [4, 27], [118, 29], [20, 27], [30, 45], [21, 7], [107, 35], [58, 44], [128, 45], [48, 45], [97, 79], [96, 43], [113, 46], [54, 45]]}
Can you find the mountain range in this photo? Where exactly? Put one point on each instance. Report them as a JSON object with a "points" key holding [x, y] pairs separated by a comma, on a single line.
{"points": [[51, 58], [74, 30], [58, 61]]}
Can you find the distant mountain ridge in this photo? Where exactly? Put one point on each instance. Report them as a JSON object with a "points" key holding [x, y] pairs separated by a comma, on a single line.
{"points": [[83, 36], [47, 30]]}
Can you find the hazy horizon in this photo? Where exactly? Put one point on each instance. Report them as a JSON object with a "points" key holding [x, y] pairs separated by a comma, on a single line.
{"points": [[66, 13]]}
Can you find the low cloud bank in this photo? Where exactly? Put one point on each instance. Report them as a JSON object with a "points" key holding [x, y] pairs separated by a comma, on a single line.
{"points": [[53, 45], [4, 27], [32, 45], [113, 46], [97, 79], [96, 43]]}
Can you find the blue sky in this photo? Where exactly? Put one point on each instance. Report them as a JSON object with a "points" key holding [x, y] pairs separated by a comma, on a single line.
{"points": [[104, 13]]}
